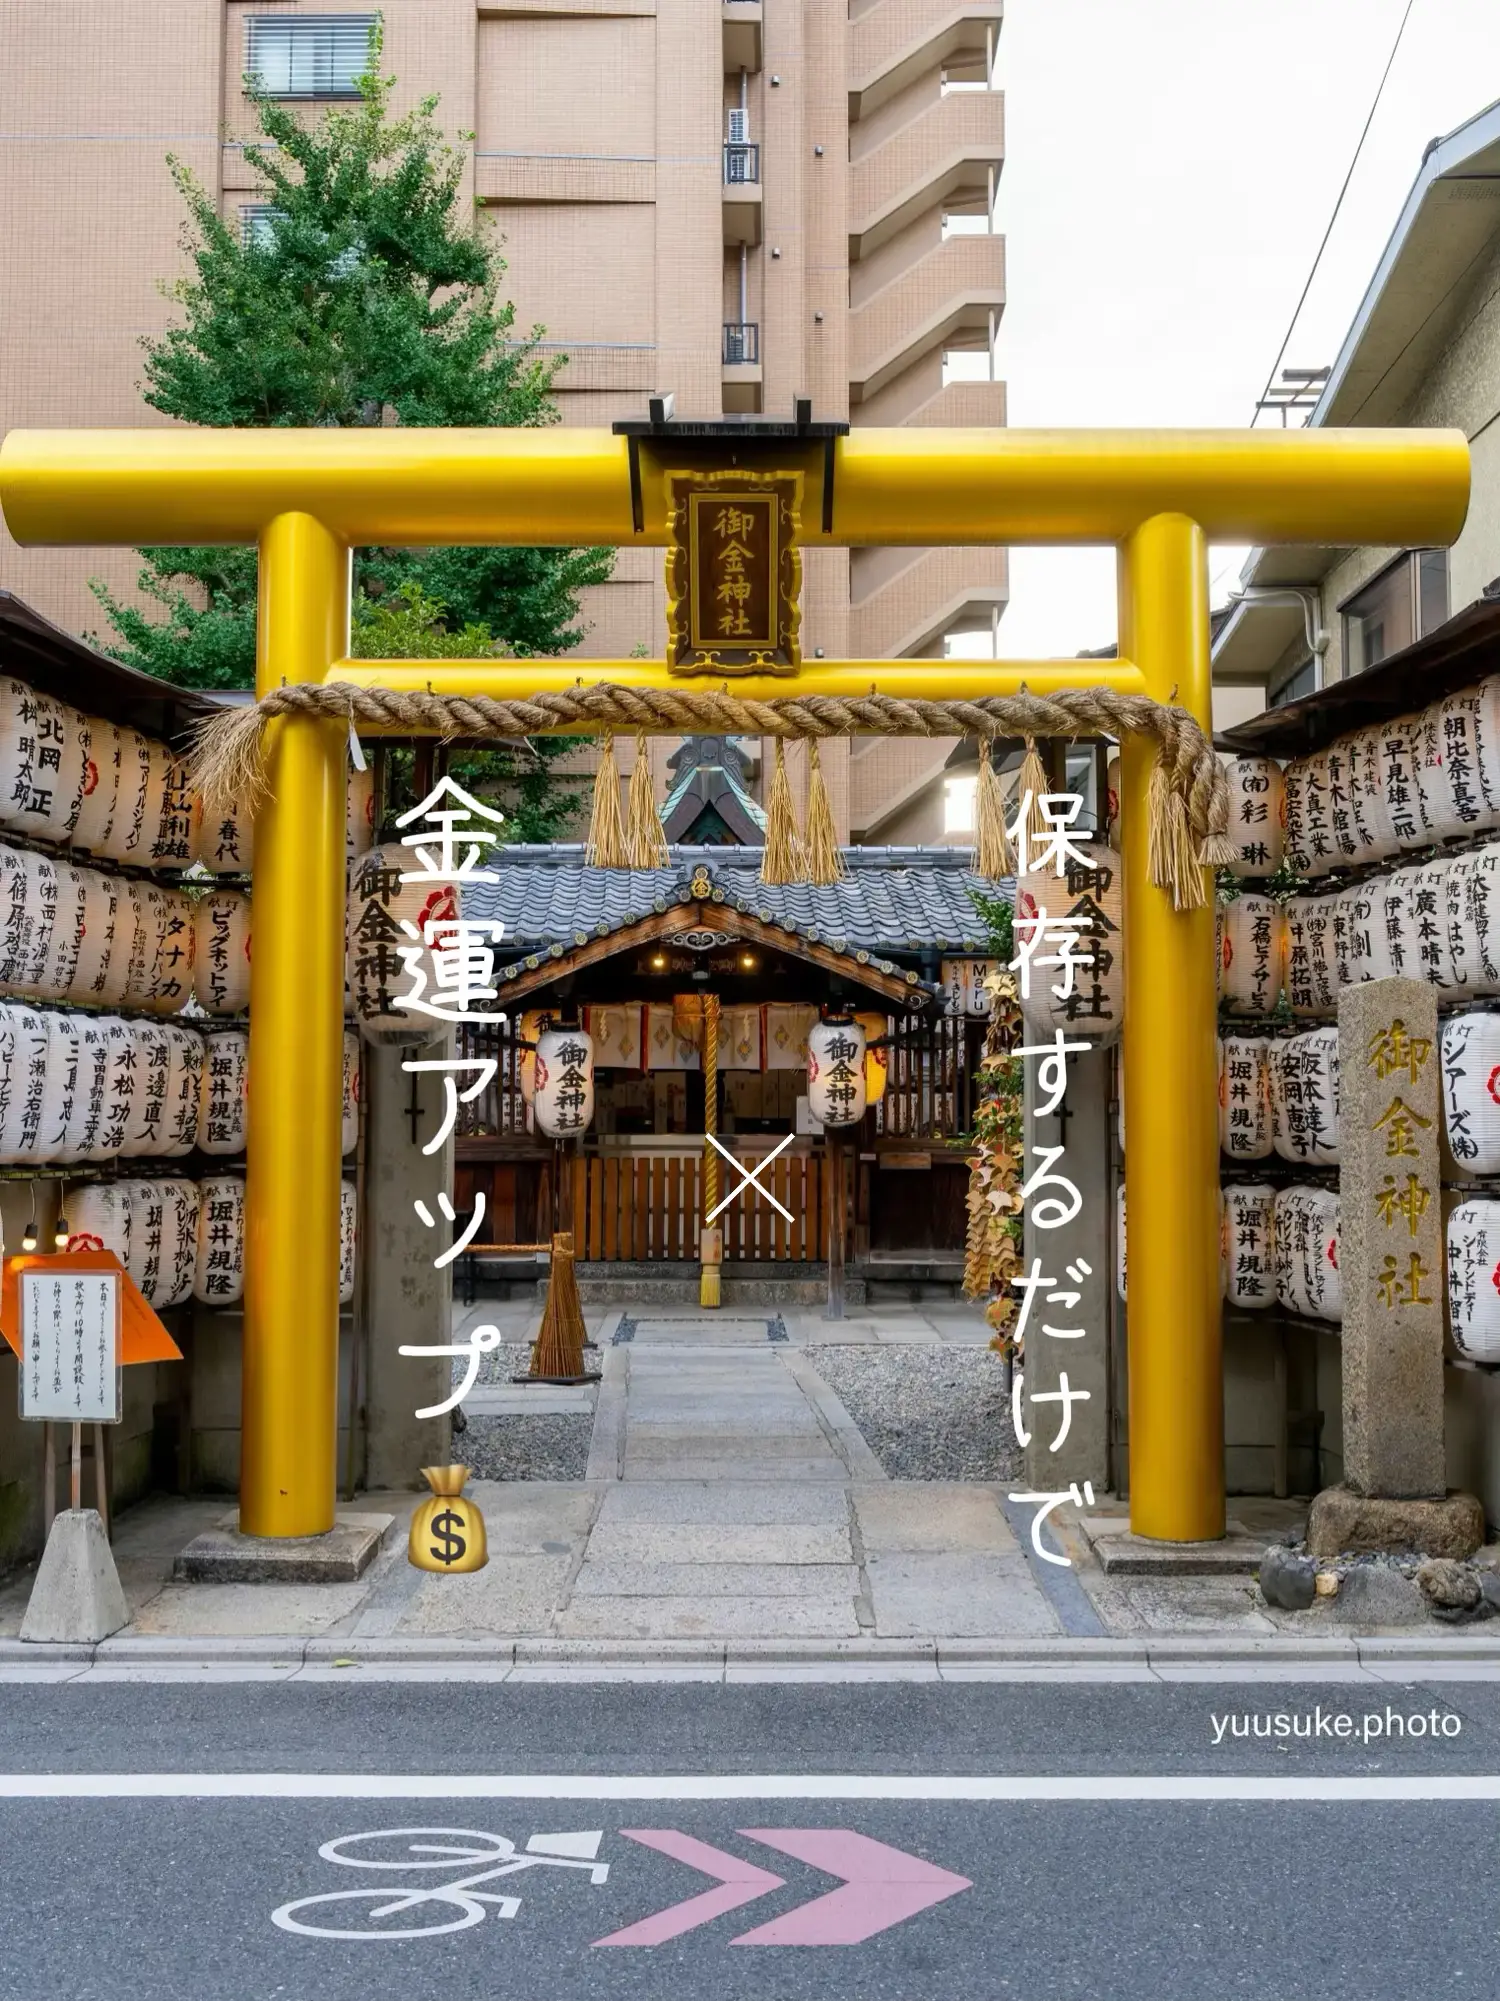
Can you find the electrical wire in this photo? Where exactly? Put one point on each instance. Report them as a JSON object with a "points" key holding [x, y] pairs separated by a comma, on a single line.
{"points": [[1337, 207]]}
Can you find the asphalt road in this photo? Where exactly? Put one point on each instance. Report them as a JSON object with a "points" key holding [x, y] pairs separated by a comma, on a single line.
{"points": [[187, 1895]]}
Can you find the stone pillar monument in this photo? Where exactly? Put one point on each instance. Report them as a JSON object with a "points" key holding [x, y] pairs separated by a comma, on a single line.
{"points": [[1391, 1260]]}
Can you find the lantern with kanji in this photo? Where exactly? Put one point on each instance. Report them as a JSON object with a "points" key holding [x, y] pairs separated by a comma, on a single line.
{"points": [[1256, 809], [564, 1100], [836, 1092], [1474, 1279], [877, 1061]]}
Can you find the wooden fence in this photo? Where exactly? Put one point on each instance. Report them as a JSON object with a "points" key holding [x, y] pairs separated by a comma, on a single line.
{"points": [[649, 1208]]}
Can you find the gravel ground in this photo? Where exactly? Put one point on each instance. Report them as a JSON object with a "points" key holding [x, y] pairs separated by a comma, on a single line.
{"points": [[926, 1413], [523, 1448], [527, 1448]]}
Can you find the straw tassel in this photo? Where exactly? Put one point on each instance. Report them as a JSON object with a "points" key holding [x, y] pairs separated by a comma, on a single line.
{"points": [[606, 842], [820, 847], [1031, 788], [645, 843], [994, 857], [557, 1356], [782, 861], [1169, 842]]}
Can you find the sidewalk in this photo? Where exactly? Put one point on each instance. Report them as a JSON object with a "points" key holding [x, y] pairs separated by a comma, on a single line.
{"points": [[716, 1488]]}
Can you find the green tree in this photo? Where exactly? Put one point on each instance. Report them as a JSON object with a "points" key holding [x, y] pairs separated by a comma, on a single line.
{"points": [[363, 296]]}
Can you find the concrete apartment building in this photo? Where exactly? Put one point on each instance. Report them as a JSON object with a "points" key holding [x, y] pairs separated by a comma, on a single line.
{"points": [[741, 201]]}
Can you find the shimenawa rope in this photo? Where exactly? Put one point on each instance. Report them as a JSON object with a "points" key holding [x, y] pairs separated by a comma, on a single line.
{"points": [[1189, 794]]}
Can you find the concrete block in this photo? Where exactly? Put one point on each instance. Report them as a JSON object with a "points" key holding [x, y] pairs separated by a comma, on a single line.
{"points": [[223, 1556], [714, 1580], [932, 1515], [829, 1617], [972, 1596], [1342, 1520], [727, 1542], [706, 1502], [77, 1593], [1139, 1556]]}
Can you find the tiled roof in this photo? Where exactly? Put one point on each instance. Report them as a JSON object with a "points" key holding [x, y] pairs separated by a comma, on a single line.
{"points": [[896, 902]]}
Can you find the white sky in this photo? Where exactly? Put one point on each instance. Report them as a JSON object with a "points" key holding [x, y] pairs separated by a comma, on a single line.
{"points": [[1171, 167]]}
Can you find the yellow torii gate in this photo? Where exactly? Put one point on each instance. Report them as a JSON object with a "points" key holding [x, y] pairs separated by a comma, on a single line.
{"points": [[308, 497]]}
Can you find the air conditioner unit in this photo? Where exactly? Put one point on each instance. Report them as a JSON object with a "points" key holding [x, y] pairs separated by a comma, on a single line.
{"points": [[739, 128]]}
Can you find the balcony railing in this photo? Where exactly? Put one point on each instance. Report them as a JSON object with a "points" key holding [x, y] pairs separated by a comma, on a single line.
{"points": [[741, 343], [741, 162]]}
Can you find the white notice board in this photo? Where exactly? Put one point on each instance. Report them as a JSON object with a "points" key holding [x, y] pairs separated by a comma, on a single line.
{"points": [[70, 1346]]}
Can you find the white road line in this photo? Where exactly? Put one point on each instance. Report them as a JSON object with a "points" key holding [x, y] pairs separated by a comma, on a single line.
{"points": [[567, 1786]]}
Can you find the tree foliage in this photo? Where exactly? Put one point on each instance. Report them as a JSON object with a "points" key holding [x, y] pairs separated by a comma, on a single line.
{"points": [[362, 295]]}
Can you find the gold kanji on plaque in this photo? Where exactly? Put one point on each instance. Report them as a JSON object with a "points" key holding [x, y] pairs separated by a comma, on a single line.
{"points": [[734, 573]]}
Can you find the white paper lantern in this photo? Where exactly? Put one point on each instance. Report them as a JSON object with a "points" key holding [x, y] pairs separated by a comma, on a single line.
{"points": [[142, 921], [1290, 1238], [1474, 1279], [219, 1261], [349, 1122], [138, 804], [69, 916], [835, 1073], [23, 1080], [99, 1219], [43, 747], [1471, 888], [1252, 954], [1085, 906], [224, 841], [348, 1240], [1405, 805], [1257, 803], [1448, 748], [223, 1102], [1470, 1054], [145, 1135], [32, 878], [1245, 1097], [60, 1092], [1343, 826], [184, 1093], [173, 844], [172, 975], [1305, 1098], [101, 975], [85, 1125], [101, 787], [1427, 918], [359, 815], [1249, 1245], [1297, 843], [146, 1237], [1372, 827], [564, 1102], [1487, 748], [377, 975], [1307, 1253], [1311, 975], [221, 952], [123, 1077]]}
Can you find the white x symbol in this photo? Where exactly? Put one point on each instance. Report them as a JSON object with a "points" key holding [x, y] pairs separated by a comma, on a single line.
{"points": [[749, 1177]]}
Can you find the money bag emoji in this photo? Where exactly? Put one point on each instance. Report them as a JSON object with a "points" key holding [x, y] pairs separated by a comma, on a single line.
{"points": [[447, 1532]]}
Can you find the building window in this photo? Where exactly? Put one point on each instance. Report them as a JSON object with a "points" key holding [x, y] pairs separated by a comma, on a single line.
{"points": [[258, 222], [958, 804], [308, 55], [1304, 681], [1406, 601]]}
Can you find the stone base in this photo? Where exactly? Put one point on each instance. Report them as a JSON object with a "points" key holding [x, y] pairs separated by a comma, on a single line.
{"points": [[740, 1285], [223, 1556], [1121, 1554], [77, 1593], [1343, 1520]]}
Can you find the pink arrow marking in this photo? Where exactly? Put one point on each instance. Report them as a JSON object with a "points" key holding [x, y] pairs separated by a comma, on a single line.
{"points": [[882, 1887], [739, 1883]]}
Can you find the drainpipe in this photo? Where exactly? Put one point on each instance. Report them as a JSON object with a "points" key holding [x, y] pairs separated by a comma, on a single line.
{"points": [[1318, 640]]}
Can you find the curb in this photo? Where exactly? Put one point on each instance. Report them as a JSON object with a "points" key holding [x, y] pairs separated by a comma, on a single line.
{"points": [[1166, 1655]]}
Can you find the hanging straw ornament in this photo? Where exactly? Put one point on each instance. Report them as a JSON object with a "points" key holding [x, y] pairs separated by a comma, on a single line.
{"points": [[645, 843], [994, 858], [1031, 789], [821, 853], [782, 861], [557, 1354], [606, 842]]}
